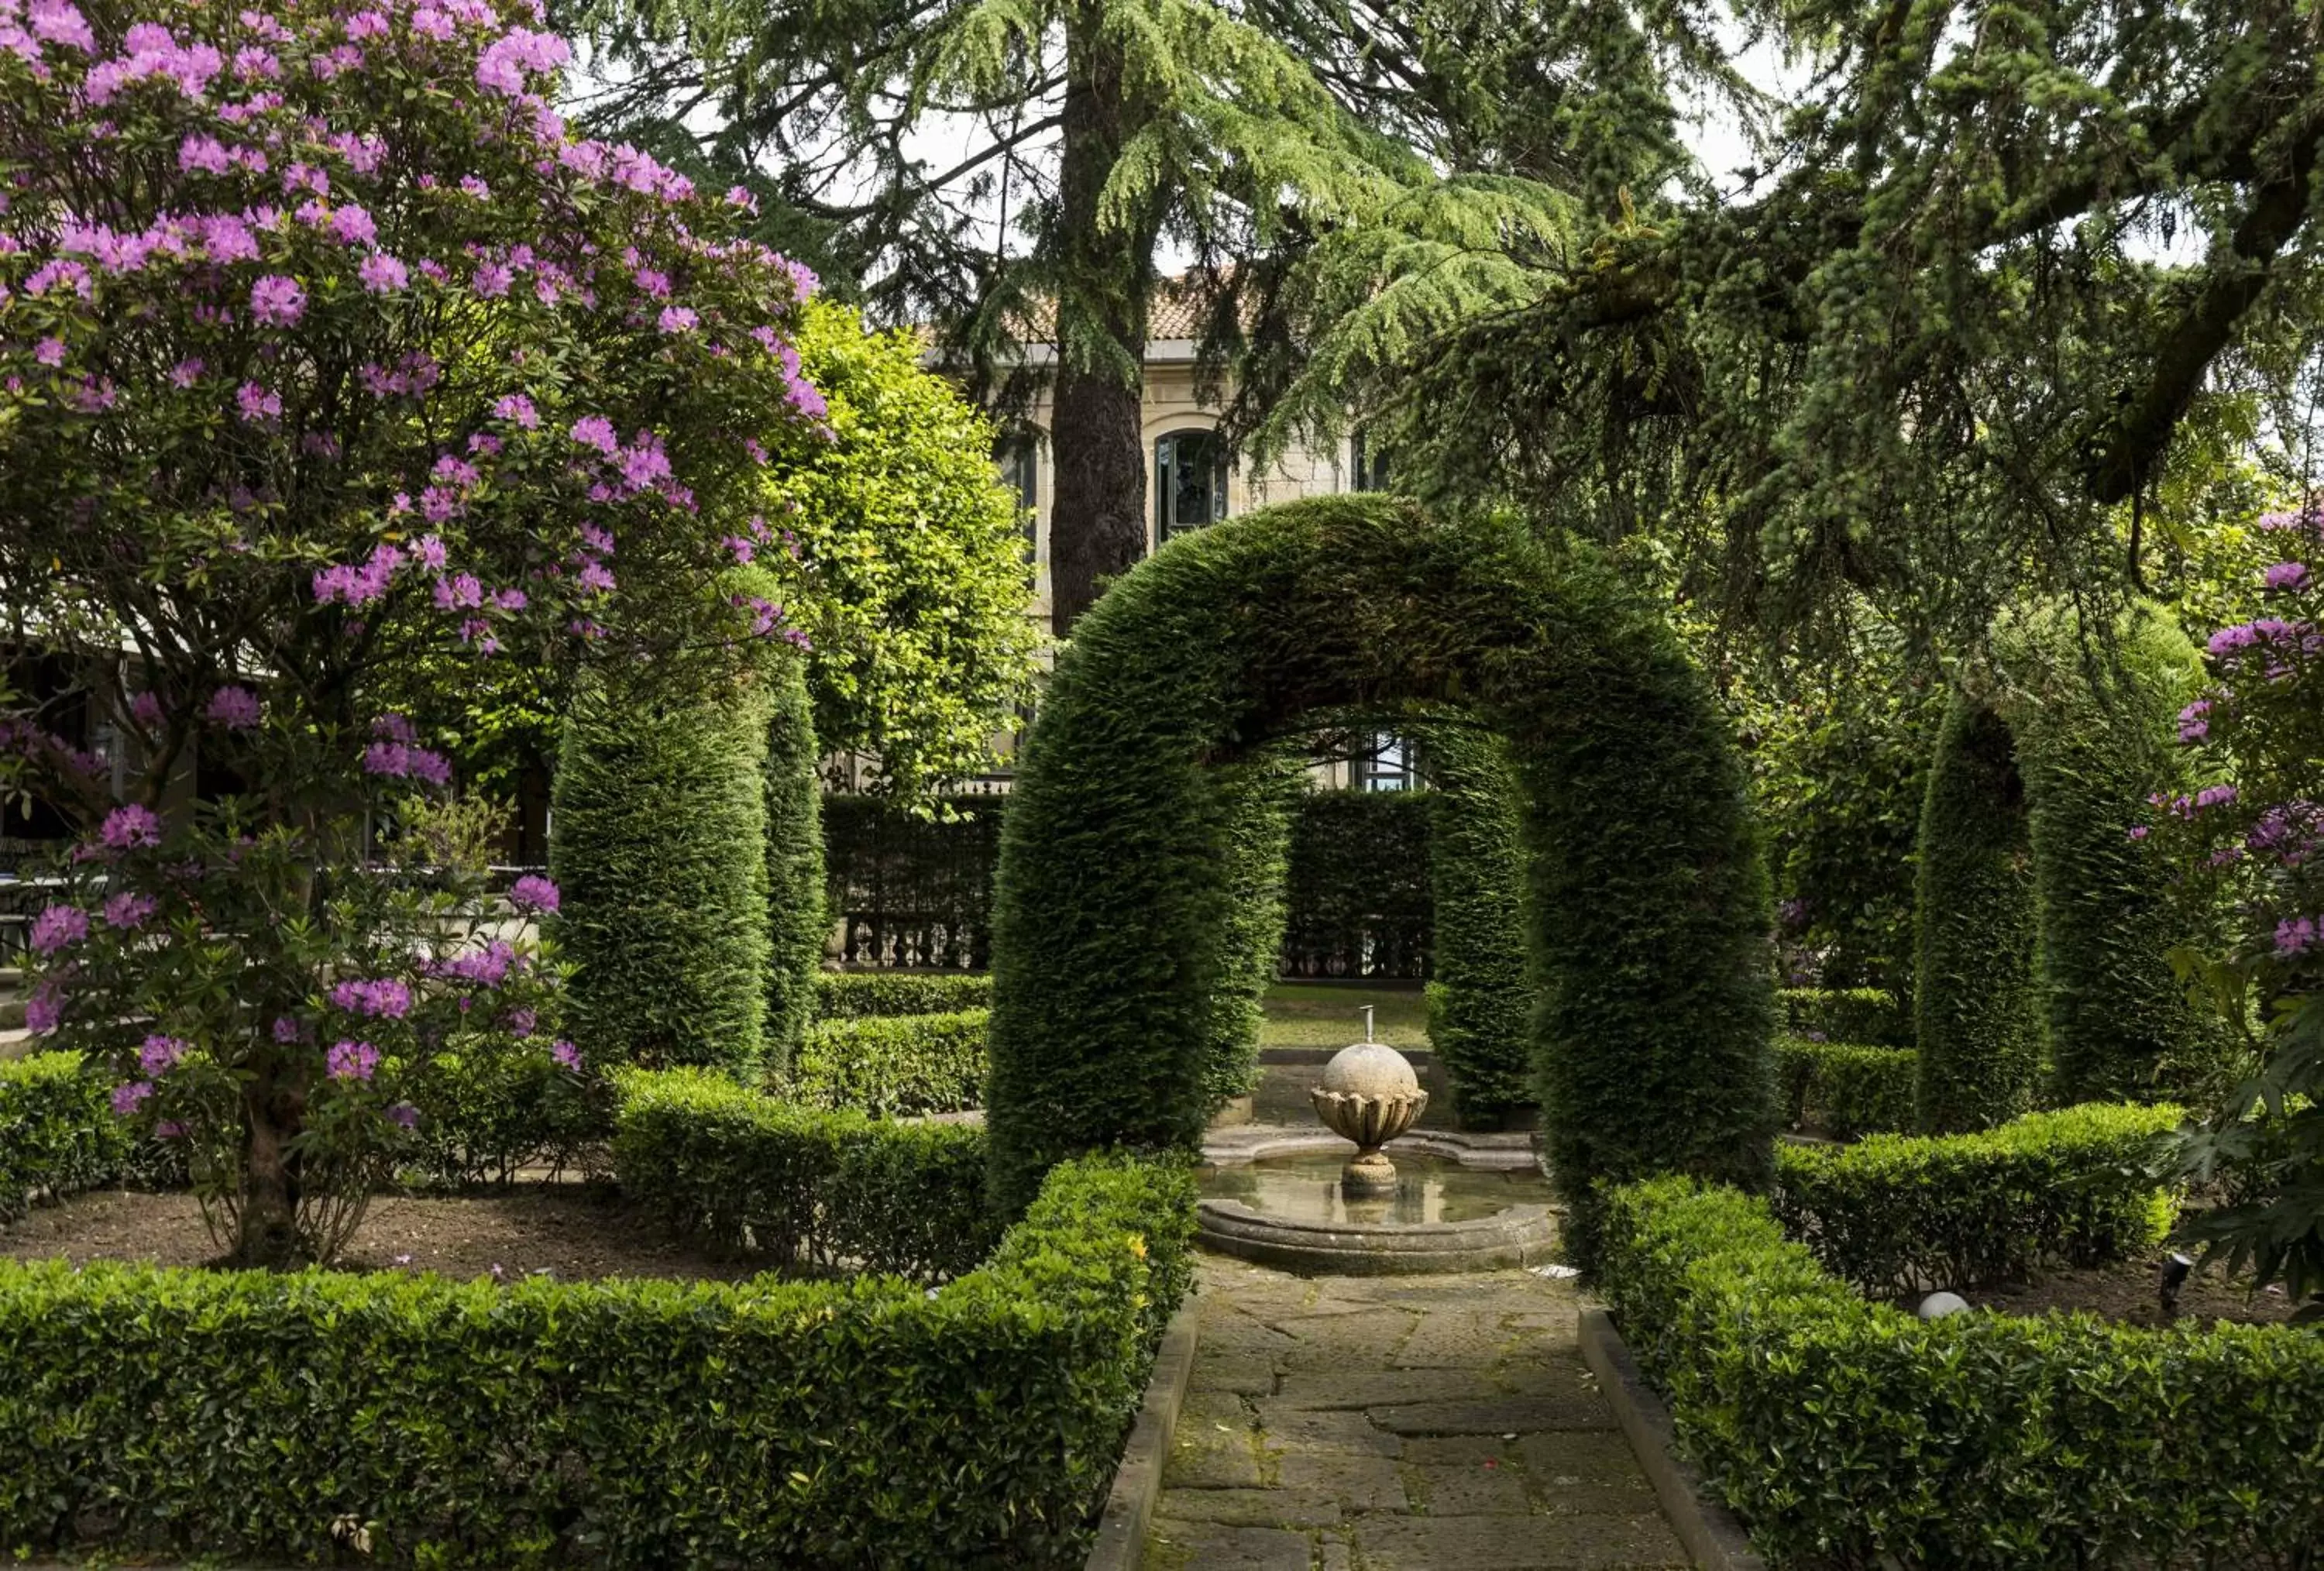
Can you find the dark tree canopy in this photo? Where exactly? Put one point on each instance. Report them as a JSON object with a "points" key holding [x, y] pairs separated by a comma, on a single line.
{"points": [[1939, 349]]}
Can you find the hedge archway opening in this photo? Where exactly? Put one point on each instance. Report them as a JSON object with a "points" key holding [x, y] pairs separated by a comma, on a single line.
{"points": [[2043, 968], [1116, 931]]}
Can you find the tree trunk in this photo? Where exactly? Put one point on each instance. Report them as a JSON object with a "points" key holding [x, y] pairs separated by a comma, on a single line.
{"points": [[269, 1236], [1097, 523]]}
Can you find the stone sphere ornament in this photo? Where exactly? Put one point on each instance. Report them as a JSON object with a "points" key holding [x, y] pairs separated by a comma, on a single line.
{"points": [[1937, 1306], [1370, 1094]]}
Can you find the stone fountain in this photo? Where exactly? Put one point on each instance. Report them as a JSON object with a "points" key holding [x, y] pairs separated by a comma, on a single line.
{"points": [[1371, 1096]]}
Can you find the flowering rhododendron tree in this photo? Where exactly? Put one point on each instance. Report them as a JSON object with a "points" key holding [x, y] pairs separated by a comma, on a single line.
{"points": [[326, 351], [2260, 836]]}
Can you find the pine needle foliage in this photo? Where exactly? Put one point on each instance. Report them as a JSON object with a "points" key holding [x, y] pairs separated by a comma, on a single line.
{"points": [[658, 849], [1998, 268], [1651, 1045]]}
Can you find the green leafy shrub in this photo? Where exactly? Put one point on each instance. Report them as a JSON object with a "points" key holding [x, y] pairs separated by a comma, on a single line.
{"points": [[271, 1417], [1853, 1436], [1847, 1015], [860, 995], [1896, 1212], [891, 1067], [1975, 1003], [2043, 928], [484, 1116], [1843, 1089], [1356, 880], [799, 1185], [58, 1135], [658, 852], [1480, 1004], [917, 590], [1651, 1047], [796, 928], [1263, 796]]}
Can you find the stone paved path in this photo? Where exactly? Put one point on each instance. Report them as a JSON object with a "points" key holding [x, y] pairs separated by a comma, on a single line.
{"points": [[1381, 1423]]}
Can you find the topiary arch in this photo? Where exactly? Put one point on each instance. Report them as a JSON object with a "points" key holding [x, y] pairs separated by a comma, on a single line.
{"points": [[2044, 932], [1113, 911]]}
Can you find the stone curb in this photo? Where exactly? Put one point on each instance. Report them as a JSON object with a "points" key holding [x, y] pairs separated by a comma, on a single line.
{"points": [[1137, 1481], [1714, 1538]]}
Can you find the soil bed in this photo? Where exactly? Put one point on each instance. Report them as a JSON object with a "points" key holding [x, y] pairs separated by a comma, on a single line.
{"points": [[569, 1232], [2128, 1293]]}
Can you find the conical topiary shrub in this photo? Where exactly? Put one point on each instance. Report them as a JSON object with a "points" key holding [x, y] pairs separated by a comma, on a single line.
{"points": [[658, 849]]}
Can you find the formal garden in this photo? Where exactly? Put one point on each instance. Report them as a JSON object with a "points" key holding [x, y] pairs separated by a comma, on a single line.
{"points": [[614, 953]]}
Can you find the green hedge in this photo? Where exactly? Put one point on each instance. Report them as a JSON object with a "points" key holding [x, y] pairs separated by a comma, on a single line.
{"points": [[1479, 1003], [620, 1424], [2044, 932], [659, 851], [860, 995], [1261, 798], [59, 1136], [1897, 1213], [1356, 885], [484, 1117], [803, 1186], [1652, 1045], [1847, 1015], [1843, 1089], [1975, 1003], [1852, 1436], [797, 928], [893, 1066]]}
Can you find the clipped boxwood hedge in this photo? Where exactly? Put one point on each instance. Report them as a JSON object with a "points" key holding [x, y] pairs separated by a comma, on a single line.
{"points": [[874, 1421], [1852, 1435], [857, 995], [1845, 1089], [1896, 1212], [59, 1136], [803, 1186], [891, 1067], [1847, 1015]]}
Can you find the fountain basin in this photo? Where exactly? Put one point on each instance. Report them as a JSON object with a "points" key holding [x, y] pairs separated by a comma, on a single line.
{"points": [[1291, 1213]]}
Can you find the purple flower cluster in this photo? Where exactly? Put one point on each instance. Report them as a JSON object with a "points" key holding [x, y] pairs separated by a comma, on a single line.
{"points": [[2286, 576], [130, 825], [533, 893], [565, 1056], [362, 585], [487, 968], [397, 760], [2193, 722], [351, 1060], [161, 1054], [234, 707], [59, 928], [381, 996], [127, 911], [127, 1099]]}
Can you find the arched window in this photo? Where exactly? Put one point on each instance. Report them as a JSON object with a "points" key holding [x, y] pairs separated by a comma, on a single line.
{"points": [[1368, 464], [1190, 483], [1019, 459]]}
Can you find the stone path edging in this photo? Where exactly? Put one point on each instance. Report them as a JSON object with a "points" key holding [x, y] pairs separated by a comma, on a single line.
{"points": [[1709, 1530], [1137, 1481]]}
